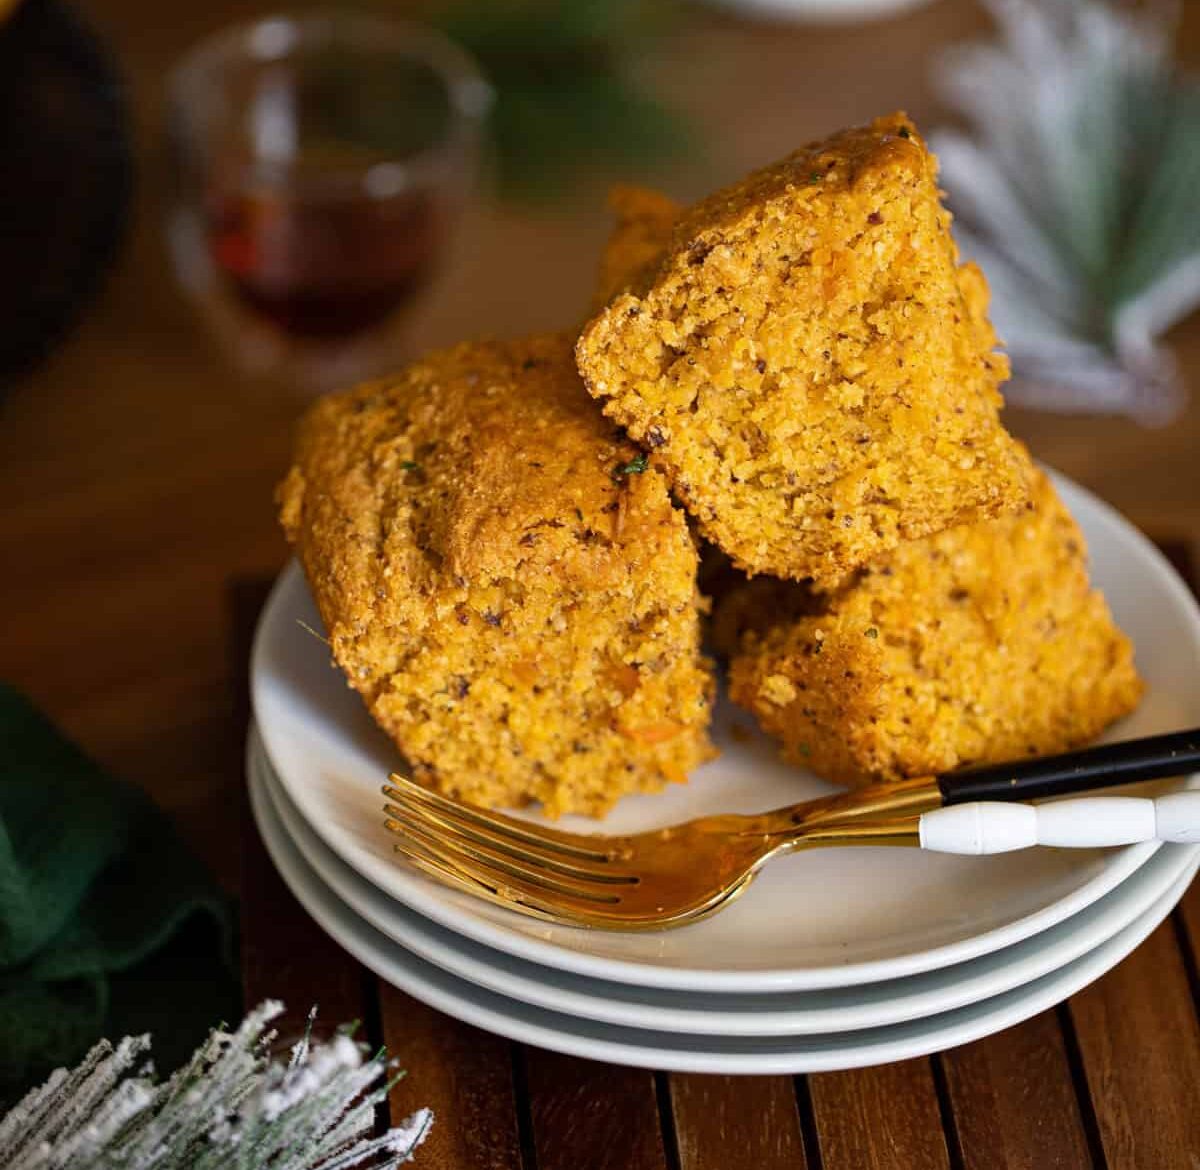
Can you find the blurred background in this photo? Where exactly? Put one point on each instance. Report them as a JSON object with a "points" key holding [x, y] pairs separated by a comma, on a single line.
{"points": [[151, 378]]}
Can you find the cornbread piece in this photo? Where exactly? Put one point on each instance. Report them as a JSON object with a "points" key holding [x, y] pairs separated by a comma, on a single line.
{"points": [[639, 239], [504, 579], [741, 604], [810, 364], [981, 644]]}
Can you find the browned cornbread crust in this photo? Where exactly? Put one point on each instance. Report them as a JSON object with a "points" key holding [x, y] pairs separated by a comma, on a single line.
{"points": [[981, 644], [635, 247], [519, 615], [810, 364]]}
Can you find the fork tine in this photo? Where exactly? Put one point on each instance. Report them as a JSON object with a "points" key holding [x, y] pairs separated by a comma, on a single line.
{"points": [[502, 843], [481, 858], [476, 859], [458, 880], [478, 879], [481, 882], [424, 860], [552, 839]]}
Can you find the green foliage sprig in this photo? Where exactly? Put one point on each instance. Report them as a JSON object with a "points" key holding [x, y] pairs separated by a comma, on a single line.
{"points": [[565, 97]]}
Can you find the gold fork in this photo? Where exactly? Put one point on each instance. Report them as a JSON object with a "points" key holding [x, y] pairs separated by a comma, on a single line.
{"points": [[650, 880], [668, 877]]}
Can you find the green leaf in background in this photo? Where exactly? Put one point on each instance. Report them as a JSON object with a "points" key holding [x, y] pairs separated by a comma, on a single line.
{"points": [[566, 98]]}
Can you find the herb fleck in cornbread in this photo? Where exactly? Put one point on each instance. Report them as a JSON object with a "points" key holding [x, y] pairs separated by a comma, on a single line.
{"points": [[504, 579], [981, 644], [807, 360]]}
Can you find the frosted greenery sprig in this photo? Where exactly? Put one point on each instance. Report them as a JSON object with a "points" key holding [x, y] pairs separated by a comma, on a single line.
{"points": [[230, 1107], [1077, 188]]}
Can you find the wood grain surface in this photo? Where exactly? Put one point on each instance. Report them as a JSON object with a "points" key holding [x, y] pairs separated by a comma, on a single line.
{"points": [[584, 1113], [736, 1123], [458, 1072], [1140, 1047], [1014, 1102], [887, 1117]]}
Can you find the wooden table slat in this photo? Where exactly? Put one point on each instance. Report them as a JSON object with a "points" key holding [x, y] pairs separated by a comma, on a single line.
{"points": [[736, 1123], [587, 1114], [463, 1074], [1139, 1041], [1014, 1103], [884, 1118]]}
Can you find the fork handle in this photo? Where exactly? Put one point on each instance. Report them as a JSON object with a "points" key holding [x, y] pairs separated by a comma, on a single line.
{"points": [[994, 827], [1103, 766], [1090, 769]]}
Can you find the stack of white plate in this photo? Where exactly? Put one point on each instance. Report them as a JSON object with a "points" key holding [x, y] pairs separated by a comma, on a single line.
{"points": [[833, 959]]}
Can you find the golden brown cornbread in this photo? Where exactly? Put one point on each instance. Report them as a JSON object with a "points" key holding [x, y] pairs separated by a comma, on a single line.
{"points": [[638, 240], [741, 604], [809, 363], [981, 644], [513, 595]]}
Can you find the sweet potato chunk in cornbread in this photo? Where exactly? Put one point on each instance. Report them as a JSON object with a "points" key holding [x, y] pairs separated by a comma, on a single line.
{"points": [[504, 579], [982, 644], [810, 364]]}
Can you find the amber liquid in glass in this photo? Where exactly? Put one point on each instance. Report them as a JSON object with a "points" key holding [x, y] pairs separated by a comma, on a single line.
{"points": [[323, 266]]}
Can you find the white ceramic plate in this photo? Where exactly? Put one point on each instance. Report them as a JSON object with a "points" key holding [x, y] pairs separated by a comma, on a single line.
{"points": [[795, 1013], [674, 1051], [816, 919]]}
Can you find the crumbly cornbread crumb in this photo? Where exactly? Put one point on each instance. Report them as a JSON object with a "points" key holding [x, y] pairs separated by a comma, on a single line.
{"points": [[981, 644], [809, 363], [504, 579]]}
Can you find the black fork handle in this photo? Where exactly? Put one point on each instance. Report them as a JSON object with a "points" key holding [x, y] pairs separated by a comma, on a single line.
{"points": [[1109, 764]]}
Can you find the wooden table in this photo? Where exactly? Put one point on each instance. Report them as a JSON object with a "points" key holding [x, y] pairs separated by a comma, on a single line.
{"points": [[136, 471]]}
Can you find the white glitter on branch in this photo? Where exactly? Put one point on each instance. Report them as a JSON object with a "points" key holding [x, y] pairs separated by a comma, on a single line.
{"points": [[229, 1108]]}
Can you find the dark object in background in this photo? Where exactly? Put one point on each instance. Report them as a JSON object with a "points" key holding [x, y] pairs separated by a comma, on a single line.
{"points": [[68, 177]]}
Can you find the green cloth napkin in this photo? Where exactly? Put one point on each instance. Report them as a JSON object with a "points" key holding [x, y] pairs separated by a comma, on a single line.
{"points": [[108, 924]]}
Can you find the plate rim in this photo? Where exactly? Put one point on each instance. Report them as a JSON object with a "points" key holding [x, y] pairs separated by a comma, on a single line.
{"points": [[425, 897], [411, 932], [537, 1026]]}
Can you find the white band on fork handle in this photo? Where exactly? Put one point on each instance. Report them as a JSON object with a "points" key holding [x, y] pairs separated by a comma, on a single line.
{"points": [[1082, 823]]}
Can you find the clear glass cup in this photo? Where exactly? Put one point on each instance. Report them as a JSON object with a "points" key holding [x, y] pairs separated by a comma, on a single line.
{"points": [[321, 163]]}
